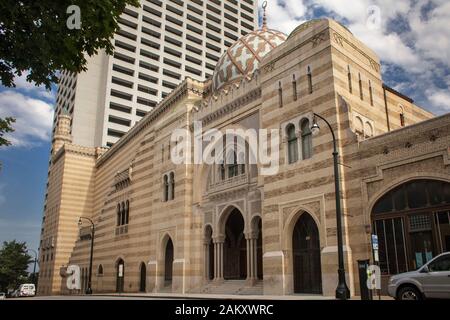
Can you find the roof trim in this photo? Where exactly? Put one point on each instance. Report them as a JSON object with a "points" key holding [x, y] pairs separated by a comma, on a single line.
{"points": [[387, 88]]}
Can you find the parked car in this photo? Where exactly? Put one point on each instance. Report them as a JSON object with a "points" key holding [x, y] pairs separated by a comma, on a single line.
{"points": [[2, 296], [14, 294], [26, 290], [431, 281]]}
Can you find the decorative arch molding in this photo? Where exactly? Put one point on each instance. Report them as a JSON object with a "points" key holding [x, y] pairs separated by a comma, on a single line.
{"points": [[223, 217], [291, 221], [296, 122], [379, 176], [118, 258], [205, 170], [398, 182], [163, 240], [206, 235]]}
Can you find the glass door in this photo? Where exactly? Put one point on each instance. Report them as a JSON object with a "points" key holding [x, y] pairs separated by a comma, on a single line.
{"points": [[421, 240], [443, 230]]}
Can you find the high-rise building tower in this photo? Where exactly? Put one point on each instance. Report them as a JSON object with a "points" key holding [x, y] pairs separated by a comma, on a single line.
{"points": [[157, 46]]}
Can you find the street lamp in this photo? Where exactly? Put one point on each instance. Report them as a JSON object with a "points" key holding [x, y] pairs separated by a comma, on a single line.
{"points": [[89, 288], [34, 266], [342, 291]]}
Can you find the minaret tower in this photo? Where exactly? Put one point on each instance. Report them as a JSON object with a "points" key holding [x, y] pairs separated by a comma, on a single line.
{"points": [[62, 134]]}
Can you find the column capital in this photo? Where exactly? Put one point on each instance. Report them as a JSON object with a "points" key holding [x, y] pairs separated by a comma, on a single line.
{"points": [[253, 235], [219, 239]]}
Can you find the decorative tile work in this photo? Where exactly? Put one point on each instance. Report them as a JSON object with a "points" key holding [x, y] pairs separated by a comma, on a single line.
{"points": [[242, 59]]}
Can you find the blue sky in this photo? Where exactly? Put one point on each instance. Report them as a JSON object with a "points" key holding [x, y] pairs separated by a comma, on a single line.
{"points": [[411, 37]]}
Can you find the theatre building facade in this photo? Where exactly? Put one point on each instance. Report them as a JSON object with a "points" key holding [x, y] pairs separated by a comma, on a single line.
{"points": [[162, 226]]}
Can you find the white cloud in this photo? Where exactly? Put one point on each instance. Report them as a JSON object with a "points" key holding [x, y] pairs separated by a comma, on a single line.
{"points": [[31, 88], [33, 118], [440, 99], [412, 34], [285, 16]]}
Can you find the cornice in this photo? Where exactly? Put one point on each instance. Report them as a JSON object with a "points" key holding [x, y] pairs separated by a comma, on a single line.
{"points": [[187, 86], [232, 106]]}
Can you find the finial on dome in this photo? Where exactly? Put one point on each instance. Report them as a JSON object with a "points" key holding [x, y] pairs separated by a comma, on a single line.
{"points": [[264, 21]]}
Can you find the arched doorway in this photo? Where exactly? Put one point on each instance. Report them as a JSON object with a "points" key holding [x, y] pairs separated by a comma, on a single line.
{"points": [[235, 248], [306, 256], [209, 253], [168, 263], [412, 222], [120, 275], [143, 278]]}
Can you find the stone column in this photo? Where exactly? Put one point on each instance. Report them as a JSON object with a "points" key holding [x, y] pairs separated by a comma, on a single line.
{"points": [[249, 263], [206, 245], [218, 258], [251, 258], [255, 260]]}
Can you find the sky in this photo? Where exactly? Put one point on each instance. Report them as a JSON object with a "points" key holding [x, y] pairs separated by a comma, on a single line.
{"points": [[411, 37]]}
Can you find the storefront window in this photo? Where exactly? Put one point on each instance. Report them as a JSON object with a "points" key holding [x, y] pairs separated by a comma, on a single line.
{"points": [[412, 222]]}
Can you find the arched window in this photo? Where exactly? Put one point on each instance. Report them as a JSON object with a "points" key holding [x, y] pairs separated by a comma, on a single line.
{"points": [[306, 139], [361, 94], [119, 215], [172, 185], [100, 270], [359, 128], [280, 95], [412, 222], [292, 143], [294, 87], [127, 212], [232, 165], [123, 214], [368, 130], [310, 84], [349, 75], [222, 171], [166, 188], [402, 119]]}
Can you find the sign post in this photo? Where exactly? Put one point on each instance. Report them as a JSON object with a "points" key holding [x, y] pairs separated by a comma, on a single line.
{"points": [[376, 257]]}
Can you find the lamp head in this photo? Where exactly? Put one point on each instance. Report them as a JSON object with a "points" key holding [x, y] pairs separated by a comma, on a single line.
{"points": [[315, 129]]}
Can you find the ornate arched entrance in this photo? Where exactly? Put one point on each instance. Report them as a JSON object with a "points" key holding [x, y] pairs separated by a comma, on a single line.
{"points": [[306, 256], [143, 278], [235, 248], [120, 275], [412, 222], [168, 263]]}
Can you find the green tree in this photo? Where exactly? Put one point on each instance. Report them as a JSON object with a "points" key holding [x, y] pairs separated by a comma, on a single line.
{"points": [[14, 261], [5, 127], [35, 37]]}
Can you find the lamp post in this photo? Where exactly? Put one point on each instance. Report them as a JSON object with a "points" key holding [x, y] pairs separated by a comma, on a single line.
{"points": [[342, 291], [89, 288], [34, 266]]}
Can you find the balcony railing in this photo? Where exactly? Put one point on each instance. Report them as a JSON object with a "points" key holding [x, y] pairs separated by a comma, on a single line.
{"points": [[120, 230], [229, 183]]}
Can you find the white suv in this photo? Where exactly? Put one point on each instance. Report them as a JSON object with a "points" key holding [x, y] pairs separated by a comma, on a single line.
{"points": [[430, 281]]}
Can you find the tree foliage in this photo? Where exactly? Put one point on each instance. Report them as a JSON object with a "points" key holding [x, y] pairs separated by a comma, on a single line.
{"points": [[35, 38], [14, 261], [5, 127]]}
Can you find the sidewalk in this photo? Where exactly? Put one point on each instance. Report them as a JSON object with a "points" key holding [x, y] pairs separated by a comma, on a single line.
{"points": [[227, 297]]}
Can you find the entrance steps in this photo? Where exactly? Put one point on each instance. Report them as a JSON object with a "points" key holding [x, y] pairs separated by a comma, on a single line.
{"points": [[234, 287]]}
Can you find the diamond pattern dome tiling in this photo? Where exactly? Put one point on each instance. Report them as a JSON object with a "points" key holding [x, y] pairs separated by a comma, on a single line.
{"points": [[242, 58]]}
